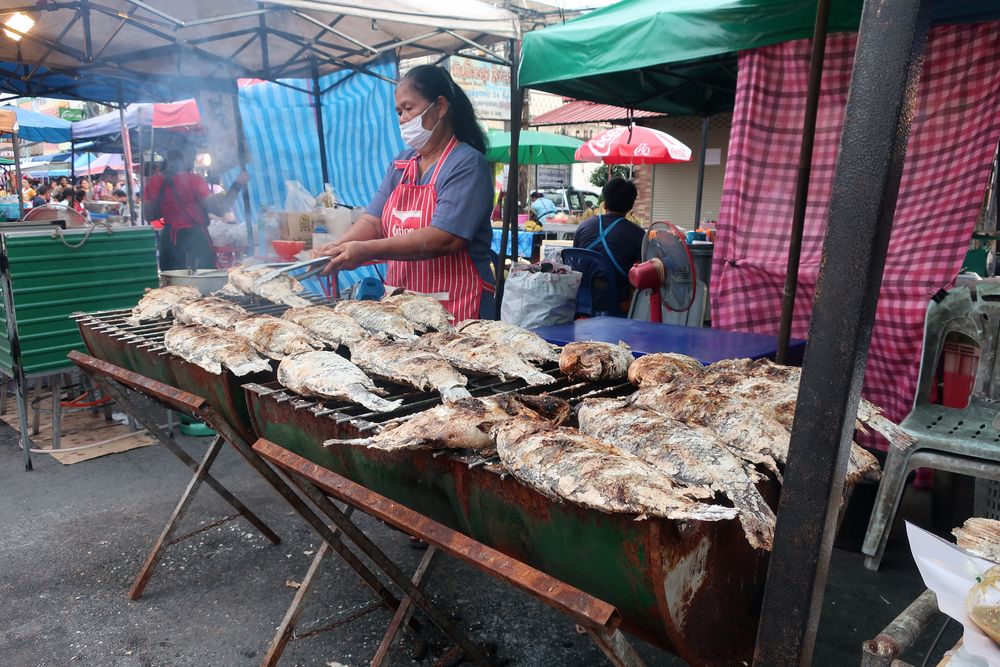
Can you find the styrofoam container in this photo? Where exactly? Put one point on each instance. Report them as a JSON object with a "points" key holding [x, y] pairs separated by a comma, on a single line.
{"points": [[206, 280]]}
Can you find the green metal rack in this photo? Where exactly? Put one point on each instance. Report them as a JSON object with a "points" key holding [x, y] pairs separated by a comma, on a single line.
{"points": [[46, 276]]}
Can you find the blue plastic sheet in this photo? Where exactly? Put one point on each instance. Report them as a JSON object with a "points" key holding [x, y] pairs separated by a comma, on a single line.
{"points": [[525, 242]]}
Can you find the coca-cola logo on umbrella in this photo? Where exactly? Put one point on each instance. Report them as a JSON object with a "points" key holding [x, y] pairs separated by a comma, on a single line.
{"points": [[642, 150], [601, 146]]}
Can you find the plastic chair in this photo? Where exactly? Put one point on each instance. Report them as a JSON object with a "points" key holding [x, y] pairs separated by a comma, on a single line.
{"points": [[593, 265], [960, 440]]}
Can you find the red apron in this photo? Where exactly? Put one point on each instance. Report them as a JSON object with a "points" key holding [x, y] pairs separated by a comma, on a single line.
{"points": [[411, 206]]}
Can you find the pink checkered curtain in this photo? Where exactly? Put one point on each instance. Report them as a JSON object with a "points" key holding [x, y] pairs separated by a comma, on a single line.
{"points": [[952, 139]]}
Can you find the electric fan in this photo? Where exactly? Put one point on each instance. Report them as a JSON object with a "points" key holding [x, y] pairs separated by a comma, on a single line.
{"points": [[667, 270]]}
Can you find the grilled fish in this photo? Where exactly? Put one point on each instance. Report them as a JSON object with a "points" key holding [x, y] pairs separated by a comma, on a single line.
{"points": [[481, 355], [403, 364], [326, 324], [743, 425], [592, 360], [211, 349], [425, 312], [157, 303], [466, 423], [770, 373], [380, 319], [209, 311], [329, 375], [689, 455], [530, 346], [563, 463], [662, 368], [274, 337], [281, 289]]}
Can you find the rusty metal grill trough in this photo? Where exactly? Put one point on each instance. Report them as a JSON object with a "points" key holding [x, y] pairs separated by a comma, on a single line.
{"points": [[693, 588]]}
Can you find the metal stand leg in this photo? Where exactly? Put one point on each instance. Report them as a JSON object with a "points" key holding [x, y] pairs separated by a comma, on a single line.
{"points": [[4, 389], [405, 610], [294, 612], [56, 410], [168, 531], [22, 415], [473, 652], [614, 645]]}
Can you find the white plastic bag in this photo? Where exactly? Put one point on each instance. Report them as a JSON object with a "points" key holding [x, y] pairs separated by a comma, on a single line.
{"points": [[297, 198], [228, 234], [535, 299]]}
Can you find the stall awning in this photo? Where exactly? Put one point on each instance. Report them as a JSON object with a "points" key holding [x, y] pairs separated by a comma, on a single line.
{"points": [[157, 51], [34, 126], [679, 56], [583, 111]]}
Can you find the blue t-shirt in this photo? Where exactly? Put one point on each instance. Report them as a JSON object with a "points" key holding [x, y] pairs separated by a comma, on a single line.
{"points": [[464, 200], [543, 208]]}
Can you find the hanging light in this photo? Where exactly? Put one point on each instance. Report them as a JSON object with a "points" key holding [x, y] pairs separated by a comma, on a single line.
{"points": [[20, 22]]}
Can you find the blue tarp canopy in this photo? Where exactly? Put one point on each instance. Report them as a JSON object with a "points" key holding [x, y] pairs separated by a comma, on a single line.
{"points": [[39, 127]]}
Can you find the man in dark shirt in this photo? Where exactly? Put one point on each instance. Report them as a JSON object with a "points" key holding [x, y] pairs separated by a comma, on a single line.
{"points": [[41, 197], [611, 235]]}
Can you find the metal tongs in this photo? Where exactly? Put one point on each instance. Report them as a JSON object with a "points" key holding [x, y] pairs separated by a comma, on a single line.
{"points": [[318, 264]]}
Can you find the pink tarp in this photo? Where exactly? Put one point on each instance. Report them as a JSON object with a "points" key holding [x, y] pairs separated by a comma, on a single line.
{"points": [[952, 139]]}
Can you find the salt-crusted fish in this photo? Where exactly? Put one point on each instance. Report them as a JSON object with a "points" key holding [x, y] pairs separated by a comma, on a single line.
{"points": [[283, 288], [400, 363], [482, 355], [329, 375], [156, 304], [275, 337], [593, 360], [690, 455], [531, 346], [662, 368], [979, 536], [782, 384], [466, 423], [424, 311], [743, 425], [213, 349], [380, 319], [209, 311], [326, 324], [563, 463]]}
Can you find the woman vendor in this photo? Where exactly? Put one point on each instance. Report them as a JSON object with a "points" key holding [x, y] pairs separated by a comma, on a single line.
{"points": [[430, 219]]}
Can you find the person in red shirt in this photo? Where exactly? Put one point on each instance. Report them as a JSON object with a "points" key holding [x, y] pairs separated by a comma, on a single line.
{"points": [[184, 200]]}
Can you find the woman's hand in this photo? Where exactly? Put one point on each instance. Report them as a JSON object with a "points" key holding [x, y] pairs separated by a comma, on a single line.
{"points": [[344, 255]]}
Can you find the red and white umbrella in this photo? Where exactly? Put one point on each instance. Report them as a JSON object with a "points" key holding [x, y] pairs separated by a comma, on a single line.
{"points": [[633, 145]]}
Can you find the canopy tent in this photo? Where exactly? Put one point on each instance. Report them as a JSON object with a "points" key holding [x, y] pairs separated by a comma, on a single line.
{"points": [[131, 51], [161, 115], [679, 56], [34, 126], [533, 148], [94, 165]]}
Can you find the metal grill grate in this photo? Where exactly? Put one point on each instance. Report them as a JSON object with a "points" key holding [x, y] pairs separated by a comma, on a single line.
{"points": [[150, 334]]}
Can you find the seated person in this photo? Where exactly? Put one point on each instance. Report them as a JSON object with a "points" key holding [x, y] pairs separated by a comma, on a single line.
{"points": [[542, 206], [611, 235]]}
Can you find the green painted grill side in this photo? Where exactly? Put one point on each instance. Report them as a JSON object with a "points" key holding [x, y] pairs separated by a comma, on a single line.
{"points": [[50, 281]]}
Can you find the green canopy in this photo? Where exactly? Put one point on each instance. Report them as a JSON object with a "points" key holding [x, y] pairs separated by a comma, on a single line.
{"points": [[679, 56], [533, 148]]}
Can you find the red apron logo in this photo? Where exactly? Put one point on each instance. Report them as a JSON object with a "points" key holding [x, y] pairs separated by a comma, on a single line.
{"points": [[405, 222]]}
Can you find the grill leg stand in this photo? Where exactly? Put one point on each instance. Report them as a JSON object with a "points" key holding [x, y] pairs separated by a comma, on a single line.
{"points": [[22, 415], [168, 531], [402, 615], [294, 613], [473, 652], [614, 645], [121, 398], [56, 410], [4, 390]]}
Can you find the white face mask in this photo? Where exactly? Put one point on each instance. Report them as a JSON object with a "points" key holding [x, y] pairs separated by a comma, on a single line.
{"points": [[415, 135]]}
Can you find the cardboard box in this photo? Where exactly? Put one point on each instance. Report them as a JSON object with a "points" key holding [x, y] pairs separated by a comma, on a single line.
{"points": [[296, 225]]}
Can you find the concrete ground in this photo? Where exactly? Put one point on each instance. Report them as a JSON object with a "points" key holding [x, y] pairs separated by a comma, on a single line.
{"points": [[73, 537]]}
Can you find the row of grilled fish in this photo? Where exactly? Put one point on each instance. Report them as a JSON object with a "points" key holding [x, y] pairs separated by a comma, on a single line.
{"points": [[689, 435]]}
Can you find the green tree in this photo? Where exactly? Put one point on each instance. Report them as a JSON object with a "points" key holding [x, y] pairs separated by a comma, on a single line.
{"points": [[600, 175]]}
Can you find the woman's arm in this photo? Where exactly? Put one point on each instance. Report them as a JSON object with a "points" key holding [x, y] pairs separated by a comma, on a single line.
{"points": [[366, 228], [424, 243], [220, 204]]}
